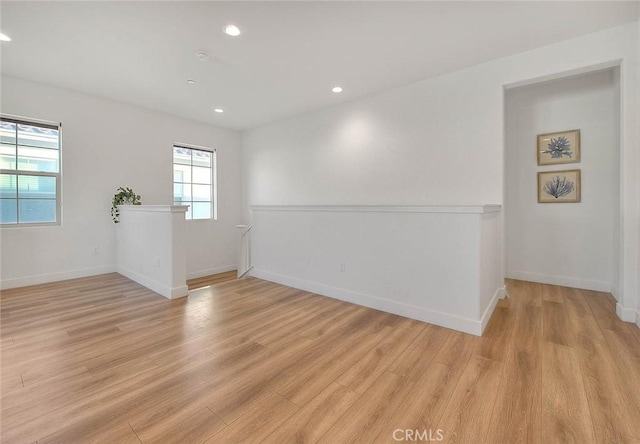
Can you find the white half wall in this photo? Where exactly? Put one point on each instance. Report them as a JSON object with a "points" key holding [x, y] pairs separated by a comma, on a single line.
{"points": [[436, 264], [637, 184], [105, 145], [151, 247], [439, 141], [570, 244]]}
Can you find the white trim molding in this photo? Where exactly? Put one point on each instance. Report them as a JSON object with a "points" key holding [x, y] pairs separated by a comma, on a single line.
{"points": [[562, 281], [162, 289], [625, 314], [459, 209], [154, 208], [486, 316], [441, 319], [615, 292], [55, 277]]}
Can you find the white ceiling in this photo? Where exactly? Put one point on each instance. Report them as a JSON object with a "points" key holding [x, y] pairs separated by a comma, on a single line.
{"points": [[287, 59]]}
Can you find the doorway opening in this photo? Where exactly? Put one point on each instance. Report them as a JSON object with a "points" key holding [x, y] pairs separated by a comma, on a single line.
{"points": [[573, 238]]}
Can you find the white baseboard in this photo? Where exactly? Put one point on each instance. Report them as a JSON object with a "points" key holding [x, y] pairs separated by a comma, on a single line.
{"points": [[165, 290], [211, 271], [448, 320], [615, 293], [585, 284], [626, 314], [25, 281], [486, 316], [638, 318]]}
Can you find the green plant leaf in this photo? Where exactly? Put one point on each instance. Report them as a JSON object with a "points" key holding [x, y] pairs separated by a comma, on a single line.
{"points": [[123, 196]]}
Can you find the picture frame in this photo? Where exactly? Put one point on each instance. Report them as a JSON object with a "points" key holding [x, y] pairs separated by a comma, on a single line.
{"points": [[559, 147], [559, 186]]}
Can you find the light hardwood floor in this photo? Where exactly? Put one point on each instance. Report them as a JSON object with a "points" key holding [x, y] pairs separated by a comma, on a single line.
{"points": [[105, 360], [206, 281]]}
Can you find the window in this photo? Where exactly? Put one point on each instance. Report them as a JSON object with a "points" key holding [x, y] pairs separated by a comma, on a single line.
{"points": [[194, 181], [29, 172]]}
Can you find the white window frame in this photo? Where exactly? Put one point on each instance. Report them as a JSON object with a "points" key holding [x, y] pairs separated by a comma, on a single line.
{"points": [[214, 179], [17, 172]]}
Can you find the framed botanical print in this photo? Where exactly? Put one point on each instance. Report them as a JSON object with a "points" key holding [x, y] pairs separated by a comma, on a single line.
{"points": [[556, 148], [559, 186]]}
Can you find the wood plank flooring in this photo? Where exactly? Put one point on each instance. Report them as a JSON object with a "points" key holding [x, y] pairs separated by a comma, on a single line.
{"points": [[104, 360], [194, 284]]}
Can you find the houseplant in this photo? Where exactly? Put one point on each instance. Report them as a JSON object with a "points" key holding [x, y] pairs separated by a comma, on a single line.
{"points": [[124, 196]]}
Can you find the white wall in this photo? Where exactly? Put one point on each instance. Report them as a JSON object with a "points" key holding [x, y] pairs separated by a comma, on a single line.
{"points": [[440, 140], [107, 144], [564, 244]]}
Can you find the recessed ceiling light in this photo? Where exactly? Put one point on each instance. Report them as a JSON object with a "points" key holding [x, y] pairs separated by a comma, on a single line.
{"points": [[191, 82], [219, 110], [202, 56], [232, 30], [336, 89], [5, 38]]}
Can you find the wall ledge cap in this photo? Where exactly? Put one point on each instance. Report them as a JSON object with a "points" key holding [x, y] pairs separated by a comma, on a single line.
{"points": [[464, 209]]}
